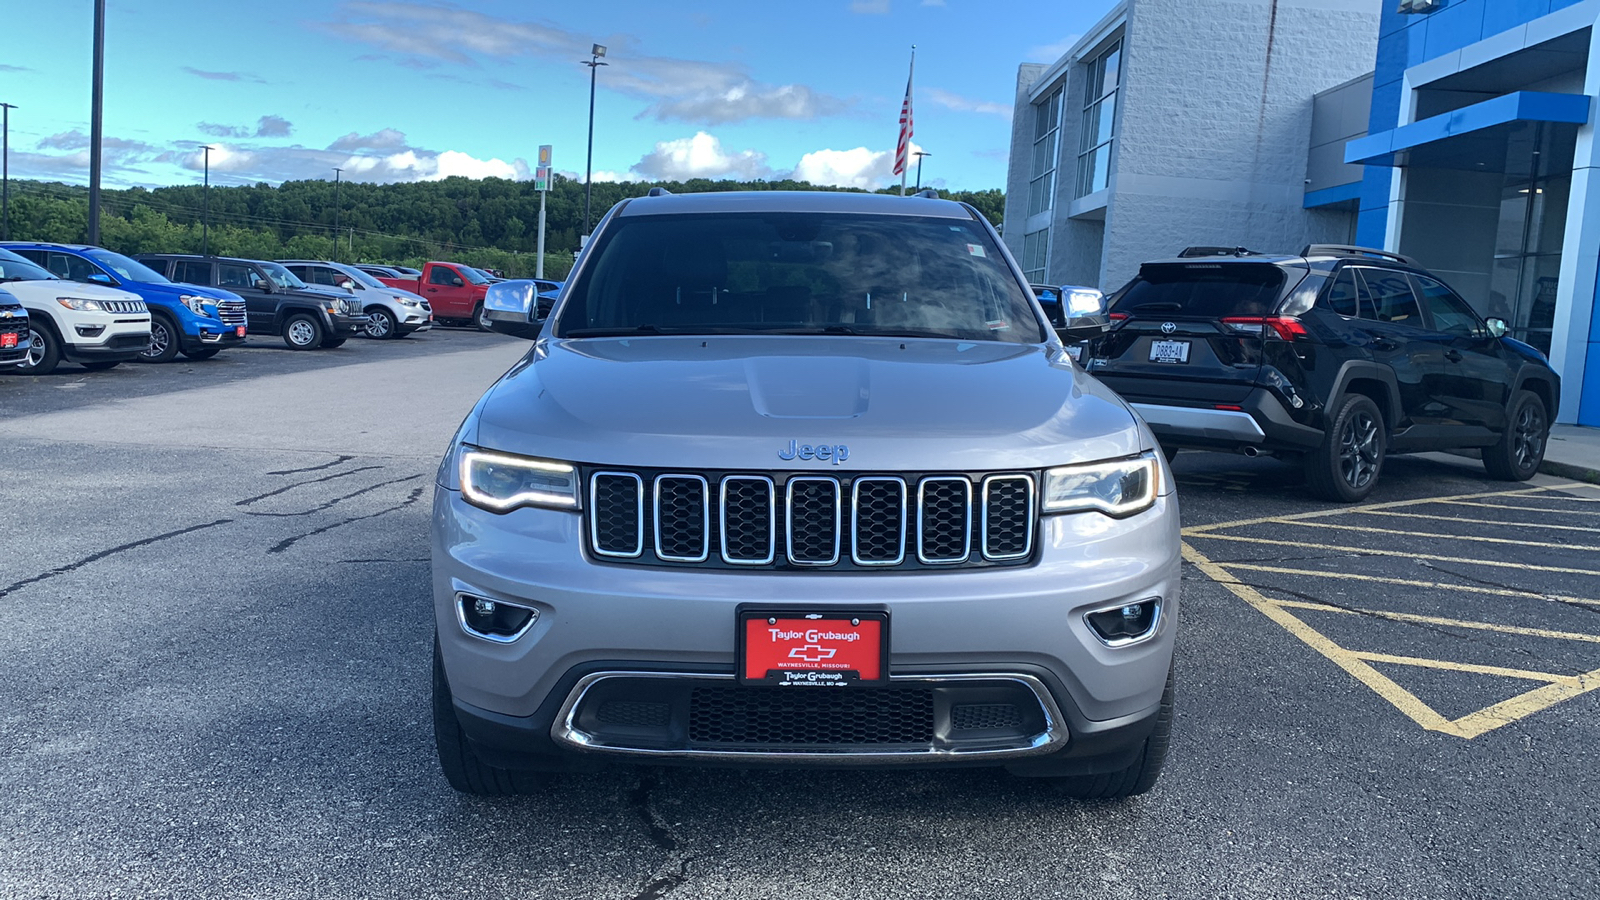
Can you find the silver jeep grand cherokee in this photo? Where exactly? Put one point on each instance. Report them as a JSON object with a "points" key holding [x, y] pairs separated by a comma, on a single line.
{"points": [[801, 479]]}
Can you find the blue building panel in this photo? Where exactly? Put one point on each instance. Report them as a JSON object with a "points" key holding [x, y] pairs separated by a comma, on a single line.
{"points": [[1589, 400], [1452, 28], [1339, 193], [1380, 147], [1504, 15]]}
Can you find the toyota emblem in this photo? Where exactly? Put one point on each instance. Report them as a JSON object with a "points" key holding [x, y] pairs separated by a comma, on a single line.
{"points": [[1168, 327]]}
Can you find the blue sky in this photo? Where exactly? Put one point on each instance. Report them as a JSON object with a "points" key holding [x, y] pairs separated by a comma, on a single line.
{"points": [[400, 91]]}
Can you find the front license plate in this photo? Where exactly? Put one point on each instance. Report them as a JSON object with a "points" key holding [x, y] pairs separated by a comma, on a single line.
{"points": [[240, 331], [8, 341], [1169, 351], [812, 649]]}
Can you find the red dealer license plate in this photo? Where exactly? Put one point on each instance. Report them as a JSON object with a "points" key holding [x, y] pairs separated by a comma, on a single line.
{"points": [[812, 649], [8, 340], [240, 331]]}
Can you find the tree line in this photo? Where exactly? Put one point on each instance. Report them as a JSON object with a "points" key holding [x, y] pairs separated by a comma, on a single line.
{"points": [[489, 222]]}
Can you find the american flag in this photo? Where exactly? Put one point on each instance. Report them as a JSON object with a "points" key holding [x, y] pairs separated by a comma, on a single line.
{"points": [[902, 150]]}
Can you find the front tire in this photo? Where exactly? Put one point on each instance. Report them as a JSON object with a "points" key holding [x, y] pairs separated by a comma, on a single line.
{"points": [[480, 317], [44, 352], [1345, 468], [462, 768], [302, 332], [1520, 450], [381, 324], [1142, 774], [163, 341]]}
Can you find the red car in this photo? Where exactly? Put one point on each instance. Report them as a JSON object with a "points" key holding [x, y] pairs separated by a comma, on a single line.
{"points": [[455, 291]]}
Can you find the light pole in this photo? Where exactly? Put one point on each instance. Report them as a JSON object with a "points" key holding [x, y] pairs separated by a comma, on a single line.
{"points": [[594, 63], [919, 155], [336, 172], [205, 207], [96, 105], [5, 170]]}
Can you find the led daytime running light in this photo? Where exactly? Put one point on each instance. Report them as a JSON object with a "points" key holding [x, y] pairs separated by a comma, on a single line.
{"points": [[475, 494]]}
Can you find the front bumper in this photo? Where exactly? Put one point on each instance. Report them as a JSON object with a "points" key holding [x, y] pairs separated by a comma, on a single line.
{"points": [[209, 335], [340, 325], [523, 702], [119, 344]]}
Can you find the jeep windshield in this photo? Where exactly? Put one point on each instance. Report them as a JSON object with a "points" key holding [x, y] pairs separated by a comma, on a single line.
{"points": [[282, 277], [792, 273]]}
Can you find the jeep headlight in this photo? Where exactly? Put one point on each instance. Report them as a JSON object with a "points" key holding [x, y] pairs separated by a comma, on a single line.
{"points": [[196, 304], [1118, 488], [81, 304], [500, 482]]}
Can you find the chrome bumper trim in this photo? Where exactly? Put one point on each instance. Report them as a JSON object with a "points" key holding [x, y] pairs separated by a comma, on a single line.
{"points": [[1054, 736], [1214, 424]]}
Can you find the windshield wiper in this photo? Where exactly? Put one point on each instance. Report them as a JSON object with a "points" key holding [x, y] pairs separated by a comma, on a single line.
{"points": [[853, 331], [614, 332], [1173, 305]]}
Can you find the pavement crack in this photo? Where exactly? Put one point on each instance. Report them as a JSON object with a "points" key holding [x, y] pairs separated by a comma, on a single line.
{"points": [[343, 458], [1483, 582], [322, 506], [420, 559], [289, 487], [676, 869], [103, 554], [286, 543]]}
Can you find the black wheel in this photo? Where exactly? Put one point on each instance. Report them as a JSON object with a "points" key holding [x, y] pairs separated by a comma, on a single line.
{"points": [[381, 324], [462, 768], [331, 343], [480, 317], [44, 352], [302, 332], [1520, 449], [163, 340], [202, 353], [1137, 778], [101, 365], [1346, 467]]}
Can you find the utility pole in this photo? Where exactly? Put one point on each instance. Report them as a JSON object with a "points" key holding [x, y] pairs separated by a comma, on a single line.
{"points": [[205, 204], [336, 172], [919, 155], [594, 64], [96, 105], [5, 170]]}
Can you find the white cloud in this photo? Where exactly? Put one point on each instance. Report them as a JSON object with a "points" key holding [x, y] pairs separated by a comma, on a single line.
{"points": [[963, 104], [858, 168], [870, 7], [1052, 52], [701, 156], [387, 139]]}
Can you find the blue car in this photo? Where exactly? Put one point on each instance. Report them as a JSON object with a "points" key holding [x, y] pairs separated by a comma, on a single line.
{"points": [[14, 334], [197, 321]]}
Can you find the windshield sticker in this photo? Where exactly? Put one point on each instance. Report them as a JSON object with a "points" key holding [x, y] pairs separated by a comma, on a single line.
{"points": [[976, 250], [999, 325]]}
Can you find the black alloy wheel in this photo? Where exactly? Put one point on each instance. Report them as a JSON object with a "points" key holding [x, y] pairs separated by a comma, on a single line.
{"points": [[1345, 468], [1520, 450]]}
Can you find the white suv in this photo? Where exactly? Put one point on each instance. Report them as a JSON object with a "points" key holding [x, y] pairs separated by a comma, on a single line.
{"points": [[94, 326]]}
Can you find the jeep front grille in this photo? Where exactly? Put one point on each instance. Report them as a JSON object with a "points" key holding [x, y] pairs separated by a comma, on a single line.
{"points": [[123, 306], [811, 521]]}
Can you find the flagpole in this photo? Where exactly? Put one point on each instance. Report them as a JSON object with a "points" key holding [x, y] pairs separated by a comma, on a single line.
{"points": [[910, 77]]}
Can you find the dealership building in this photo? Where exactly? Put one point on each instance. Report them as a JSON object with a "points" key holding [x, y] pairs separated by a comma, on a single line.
{"points": [[1456, 132]]}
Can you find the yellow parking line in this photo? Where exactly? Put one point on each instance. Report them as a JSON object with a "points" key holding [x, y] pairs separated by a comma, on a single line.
{"points": [[1524, 705], [1440, 620], [1523, 509], [1448, 666], [1448, 537], [1343, 510], [1367, 551], [1410, 515], [1407, 582]]}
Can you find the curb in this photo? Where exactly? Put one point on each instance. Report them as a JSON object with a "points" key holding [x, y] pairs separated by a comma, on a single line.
{"points": [[1568, 470]]}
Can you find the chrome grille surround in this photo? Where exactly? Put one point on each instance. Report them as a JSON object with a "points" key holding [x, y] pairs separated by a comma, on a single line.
{"points": [[599, 544], [991, 500], [899, 515], [231, 312], [799, 557], [728, 556], [929, 520], [672, 482], [123, 306]]}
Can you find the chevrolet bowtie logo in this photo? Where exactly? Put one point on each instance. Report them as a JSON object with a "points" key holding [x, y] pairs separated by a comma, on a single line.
{"points": [[812, 653]]}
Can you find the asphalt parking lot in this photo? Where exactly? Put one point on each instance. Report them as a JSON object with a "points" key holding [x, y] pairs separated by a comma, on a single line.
{"points": [[214, 639]]}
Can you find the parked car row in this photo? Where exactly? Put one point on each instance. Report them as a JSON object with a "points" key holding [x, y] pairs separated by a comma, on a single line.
{"points": [[153, 307]]}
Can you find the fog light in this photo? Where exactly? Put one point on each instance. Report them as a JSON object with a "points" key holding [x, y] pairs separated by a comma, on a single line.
{"points": [[1126, 623], [493, 620], [90, 331]]}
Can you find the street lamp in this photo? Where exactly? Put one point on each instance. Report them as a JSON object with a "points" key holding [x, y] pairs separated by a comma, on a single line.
{"points": [[594, 63], [336, 171], [5, 170], [205, 213], [919, 154]]}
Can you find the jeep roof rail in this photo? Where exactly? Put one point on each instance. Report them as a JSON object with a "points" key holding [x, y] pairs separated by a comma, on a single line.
{"points": [[1352, 250], [1193, 252]]}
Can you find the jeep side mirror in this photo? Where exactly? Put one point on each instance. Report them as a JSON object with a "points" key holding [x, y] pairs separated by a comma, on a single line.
{"points": [[266, 286], [1078, 312], [512, 308], [1497, 327]]}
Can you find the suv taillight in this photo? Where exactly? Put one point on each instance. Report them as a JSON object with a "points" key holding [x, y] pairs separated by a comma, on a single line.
{"points": [[1284, 327]]}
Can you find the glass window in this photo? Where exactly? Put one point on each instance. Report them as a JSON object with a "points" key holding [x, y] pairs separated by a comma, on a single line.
{"points": [[1344, 297], [234, 275], [1046, 135], [15, 268], [808, 274], [126, 269], [1201, 289], [191, 271], [280, 276], [1035, 255], [1099, 121], [1450, 314], [443, 275], [1390, 297]]}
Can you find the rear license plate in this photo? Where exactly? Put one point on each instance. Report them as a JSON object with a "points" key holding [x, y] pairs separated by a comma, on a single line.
{"points": [[8, 341], [240, 331], [1169, 351], [812, 649]]}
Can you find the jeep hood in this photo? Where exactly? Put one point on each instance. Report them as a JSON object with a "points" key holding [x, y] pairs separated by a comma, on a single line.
{"points": [[43, 292], [737, 402]]}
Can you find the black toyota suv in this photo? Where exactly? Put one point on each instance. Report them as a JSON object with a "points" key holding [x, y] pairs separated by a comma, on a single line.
{"points": [[1334, 356], [275, 301]]}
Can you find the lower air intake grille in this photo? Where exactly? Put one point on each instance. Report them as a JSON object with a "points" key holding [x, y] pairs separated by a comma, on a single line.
{"points": [[634, 713], [970, 716], [798, 717]]}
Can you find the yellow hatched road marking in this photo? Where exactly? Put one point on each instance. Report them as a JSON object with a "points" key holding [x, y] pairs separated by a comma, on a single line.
{"points": [[1410, 515], [1448, 537], [1524, 509], [1448, 666], [1368, 551], [1407, 582], [1466, 727], [1396, 504], [1440, 620]]}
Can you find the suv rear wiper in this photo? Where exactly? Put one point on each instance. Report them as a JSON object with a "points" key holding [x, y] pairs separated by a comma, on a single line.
{"points": [[1159, 304]]}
